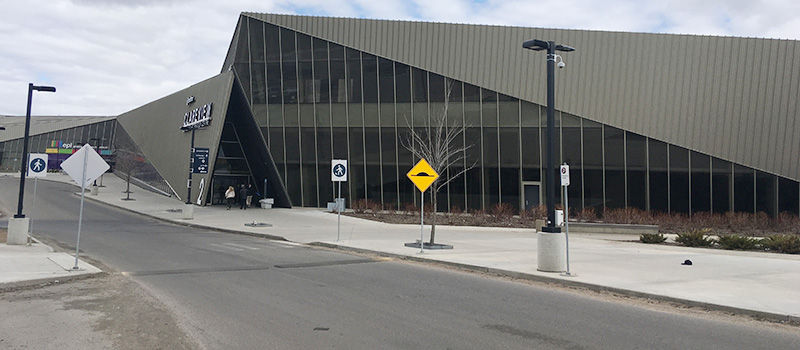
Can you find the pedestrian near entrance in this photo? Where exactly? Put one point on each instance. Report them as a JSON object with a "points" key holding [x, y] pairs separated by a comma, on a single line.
{"points": [[243, 197], [230, 195], [250, 192]]}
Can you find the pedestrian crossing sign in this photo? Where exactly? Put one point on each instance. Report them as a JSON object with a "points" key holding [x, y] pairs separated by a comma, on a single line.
{"points": [[37, 165]]}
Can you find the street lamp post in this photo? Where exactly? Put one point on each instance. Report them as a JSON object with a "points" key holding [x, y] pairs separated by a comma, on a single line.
{"points": [[550, 172], [19, 224], [550, 241], [23, 162]]}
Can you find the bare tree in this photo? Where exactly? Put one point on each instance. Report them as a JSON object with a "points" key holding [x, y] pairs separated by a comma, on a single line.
{"points": [[437, 143], [126, 163]]}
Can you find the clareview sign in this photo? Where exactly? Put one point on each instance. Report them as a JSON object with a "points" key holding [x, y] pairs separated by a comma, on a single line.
{"points": [[197, 118]]}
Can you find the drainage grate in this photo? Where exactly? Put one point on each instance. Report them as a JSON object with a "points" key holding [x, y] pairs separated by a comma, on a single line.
{"points": [[175, 210]]}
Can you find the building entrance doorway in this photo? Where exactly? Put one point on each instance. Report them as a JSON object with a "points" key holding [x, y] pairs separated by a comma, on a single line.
{"points": [[532, 195], [220, 183]]}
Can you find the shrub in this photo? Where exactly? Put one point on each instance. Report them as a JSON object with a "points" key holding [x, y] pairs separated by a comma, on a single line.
{"points": [[789, 244], [788, 223], [362, 205], [737, 242], [359, 206], [586, 214], [627, 216], [501, 211], [695, 238], [652, 238], [410, 209], [477, 212], [456, 210], [706, 219]]}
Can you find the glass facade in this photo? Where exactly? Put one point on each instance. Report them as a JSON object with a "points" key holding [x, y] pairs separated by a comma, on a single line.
{"points": [[60, 144], [317, 100]]}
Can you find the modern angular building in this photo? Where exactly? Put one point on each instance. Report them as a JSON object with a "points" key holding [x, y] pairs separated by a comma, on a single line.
{"points": [[673, 123], [661, 122]]}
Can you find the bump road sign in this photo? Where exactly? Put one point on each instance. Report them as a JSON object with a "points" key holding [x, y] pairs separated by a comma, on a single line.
{"points": [[422, 175]]}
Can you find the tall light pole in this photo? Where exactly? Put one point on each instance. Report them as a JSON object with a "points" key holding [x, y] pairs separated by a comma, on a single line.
{"points": [[551, 242], [23, 162], [550, 172]]}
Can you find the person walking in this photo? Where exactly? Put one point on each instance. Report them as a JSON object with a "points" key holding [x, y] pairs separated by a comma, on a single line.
{"points": [[230, 195], [250, 192], [243, 197]]}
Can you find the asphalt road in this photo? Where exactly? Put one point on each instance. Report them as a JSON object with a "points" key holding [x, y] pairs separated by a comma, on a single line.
{"points": [[238, 292]]}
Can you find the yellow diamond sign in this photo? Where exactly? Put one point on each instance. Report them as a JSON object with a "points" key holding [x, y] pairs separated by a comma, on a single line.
{"points": [[422, 175]]}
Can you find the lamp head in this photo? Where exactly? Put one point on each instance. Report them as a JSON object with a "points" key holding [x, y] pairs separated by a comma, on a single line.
{"points": [[536, 45], [44, 88]]}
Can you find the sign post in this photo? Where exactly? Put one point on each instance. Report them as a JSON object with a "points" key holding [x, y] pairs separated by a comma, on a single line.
{"points": [[83, 166], [339, 174], [422, 175], [565, 183], [37, 167]]}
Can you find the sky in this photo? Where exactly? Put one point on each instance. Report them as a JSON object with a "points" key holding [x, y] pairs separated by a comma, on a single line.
{"points": [[106, 57]]}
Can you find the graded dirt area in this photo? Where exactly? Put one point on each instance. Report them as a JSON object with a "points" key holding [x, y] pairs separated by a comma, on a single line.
{"points": [[108, 311]]}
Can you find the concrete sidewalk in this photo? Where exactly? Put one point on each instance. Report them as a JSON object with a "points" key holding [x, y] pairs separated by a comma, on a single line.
{"points": [[22, 265], [756, 283]]}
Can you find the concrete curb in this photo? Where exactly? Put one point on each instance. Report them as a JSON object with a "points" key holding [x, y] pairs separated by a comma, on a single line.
{"points": [[12, 286], [567, 283]]}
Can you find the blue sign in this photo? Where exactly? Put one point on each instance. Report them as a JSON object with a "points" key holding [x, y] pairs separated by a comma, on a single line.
{"points": [[200, 161], [37, 165], [339, 170]]}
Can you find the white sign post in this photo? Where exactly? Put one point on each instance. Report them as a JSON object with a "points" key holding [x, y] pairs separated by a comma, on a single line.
{"points": [[83, 166], [339, 174], [565, 182], [37, 167]]}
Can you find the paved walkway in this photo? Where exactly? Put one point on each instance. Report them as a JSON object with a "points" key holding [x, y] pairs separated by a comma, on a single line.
{"points": [[753, 282]]}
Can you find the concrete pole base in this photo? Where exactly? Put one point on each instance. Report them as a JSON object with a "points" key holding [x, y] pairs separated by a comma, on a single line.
{"points": [[188, 211], [552, 252], [18, 231], [95, 190]]}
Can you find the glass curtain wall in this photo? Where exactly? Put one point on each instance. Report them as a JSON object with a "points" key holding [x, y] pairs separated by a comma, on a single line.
{"points": [[60, 144], [317, 101]]}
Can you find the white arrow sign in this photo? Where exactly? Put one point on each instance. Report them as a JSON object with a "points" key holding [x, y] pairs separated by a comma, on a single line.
{"points": [[86, 164]]}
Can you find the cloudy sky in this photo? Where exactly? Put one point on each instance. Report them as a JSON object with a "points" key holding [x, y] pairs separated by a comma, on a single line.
{"points": [[107, 57]]}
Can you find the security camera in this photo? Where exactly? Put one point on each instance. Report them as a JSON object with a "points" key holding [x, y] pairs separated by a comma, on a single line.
{"points": [[561, 64]]}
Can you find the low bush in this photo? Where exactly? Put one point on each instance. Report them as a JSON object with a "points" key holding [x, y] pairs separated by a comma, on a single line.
{"points": [[652, 238], [587, 214], [695, 238], [410, 209], [501, 211], [627, 216], [737, 242], [362, 205], [534, 213], [789, 244]]}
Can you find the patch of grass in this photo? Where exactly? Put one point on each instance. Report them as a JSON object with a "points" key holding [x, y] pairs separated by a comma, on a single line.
{"points": [[737, 242], [652, 238], [696, 238], [789, 244]]}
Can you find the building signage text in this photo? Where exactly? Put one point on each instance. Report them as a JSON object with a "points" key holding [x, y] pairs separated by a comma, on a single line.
{"points": [[197, 118]]}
